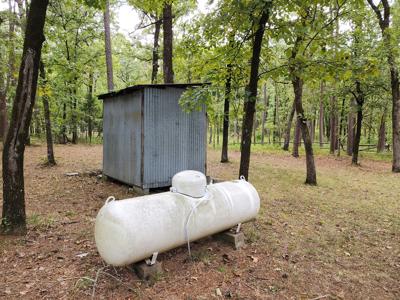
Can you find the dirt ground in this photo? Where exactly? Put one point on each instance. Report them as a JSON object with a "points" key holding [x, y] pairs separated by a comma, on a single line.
{"points": [[339, 240]]}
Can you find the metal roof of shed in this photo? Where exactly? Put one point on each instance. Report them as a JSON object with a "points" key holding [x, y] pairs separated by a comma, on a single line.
{"points": [[142, 86]]}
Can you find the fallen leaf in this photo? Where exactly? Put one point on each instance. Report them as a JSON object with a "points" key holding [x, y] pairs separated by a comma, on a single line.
{"points": [[254, 258], [218, 292], [81, 255]]}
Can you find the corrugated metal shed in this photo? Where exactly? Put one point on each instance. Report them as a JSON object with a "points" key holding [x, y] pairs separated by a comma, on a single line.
{"points": [[147, 136]]}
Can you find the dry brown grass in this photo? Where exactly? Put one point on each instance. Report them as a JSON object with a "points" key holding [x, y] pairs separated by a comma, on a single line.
{"points": [[339, 240]]}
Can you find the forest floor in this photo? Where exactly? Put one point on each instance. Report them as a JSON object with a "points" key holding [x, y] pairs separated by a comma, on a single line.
{"points": [[338, 240]]}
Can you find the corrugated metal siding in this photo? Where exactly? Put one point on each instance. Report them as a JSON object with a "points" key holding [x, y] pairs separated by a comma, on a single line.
{"points": [[173, 140], [122, 138]]}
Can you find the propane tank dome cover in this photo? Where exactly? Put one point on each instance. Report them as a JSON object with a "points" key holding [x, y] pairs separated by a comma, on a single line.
{"points": [[191, 183]]}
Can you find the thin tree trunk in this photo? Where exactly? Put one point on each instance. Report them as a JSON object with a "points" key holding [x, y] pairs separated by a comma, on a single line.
{"points": [[312, 130], [277, 133], [108, 48], [265, 114], [357, 138], [311, 177], [90, 107], [382, 133], [289, 128], [339, 141], [384, 23], [49, 137], [333, 125], [210, 133], [74, 118], [255, 130], [155, 58], [218, 129], [3, 105], [274, 134], [168, 40], [321, 114], [13, 215], [236, 124], [251, 96], [63, 138], [214, 133], [351, 129], [296, 139], [225, 131]]}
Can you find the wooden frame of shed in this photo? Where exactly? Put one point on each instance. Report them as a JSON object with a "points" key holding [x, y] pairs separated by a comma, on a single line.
{"points": [[148, 138]]}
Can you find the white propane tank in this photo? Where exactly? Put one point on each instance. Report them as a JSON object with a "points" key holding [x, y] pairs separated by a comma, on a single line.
{"points": [[130, 230]]}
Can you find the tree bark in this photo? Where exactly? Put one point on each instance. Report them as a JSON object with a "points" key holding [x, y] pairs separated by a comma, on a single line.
{"points": [[265, 114], [3, 106], [351, 129], [277, 133], [296, 139], [218, 127], [210, 131], [251, 95], [13, 216], [108, 48], [311, 177], [49, 137], [168, 38], [333, 126], [225, 131], [382, 133], [90, 107], [286, 141], [339, 139], [321, 114], [384, 23], [360, 102], [155, 58]]}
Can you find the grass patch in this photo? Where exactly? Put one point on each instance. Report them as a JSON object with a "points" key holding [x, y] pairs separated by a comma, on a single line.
{"points": [[40, 222]]}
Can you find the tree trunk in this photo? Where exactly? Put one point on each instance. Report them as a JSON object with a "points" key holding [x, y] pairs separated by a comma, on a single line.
{"points": [[90, 107], [74, 118], [265, 114], [277, 134], [333, 126], [321, 114], [225, 131], [382, 133], [384, 23], [3, 105], [210, 133], [350, 129], [236, 124], [63, 133], [339, 141], [289, 128], [168, 38], [3, 113], [217, 125], [311, 177], [360, 103], [154, 71], [108, 48], [251, 96], [49, 137], [13, 216], [296, 139]]}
